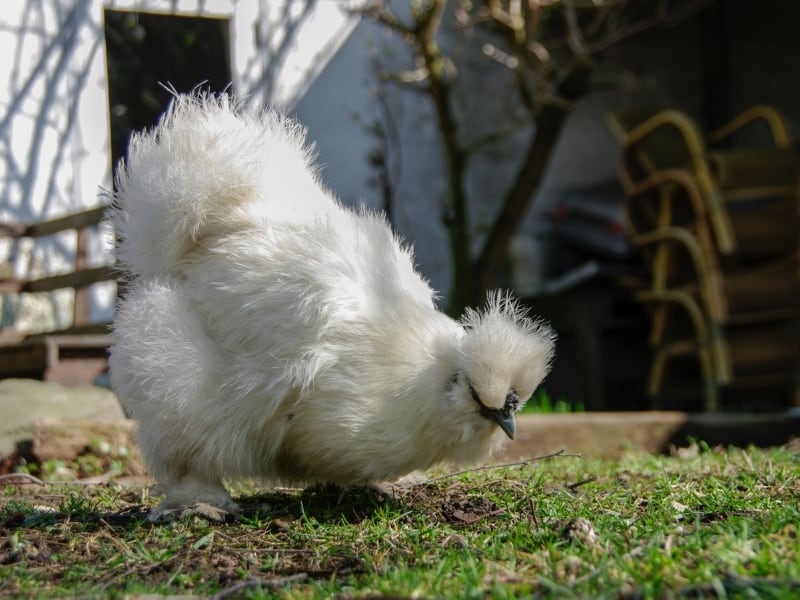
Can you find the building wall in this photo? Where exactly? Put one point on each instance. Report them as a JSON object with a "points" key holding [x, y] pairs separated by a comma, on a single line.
{"points": [[53, 134], [54, 116]]}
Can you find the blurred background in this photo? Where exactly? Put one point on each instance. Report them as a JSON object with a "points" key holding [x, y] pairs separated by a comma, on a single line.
{"points": [[601, 158]]}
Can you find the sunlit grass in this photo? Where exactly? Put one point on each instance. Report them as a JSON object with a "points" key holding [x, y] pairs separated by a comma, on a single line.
{"points": [[710, 523]]}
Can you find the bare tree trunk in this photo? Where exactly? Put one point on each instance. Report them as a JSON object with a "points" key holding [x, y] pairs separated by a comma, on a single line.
{"points": [[455, 216], [517, 200]]}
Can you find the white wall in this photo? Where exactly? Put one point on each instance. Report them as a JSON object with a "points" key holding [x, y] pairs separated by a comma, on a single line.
{"points": [[54, 121], [53, 133]]}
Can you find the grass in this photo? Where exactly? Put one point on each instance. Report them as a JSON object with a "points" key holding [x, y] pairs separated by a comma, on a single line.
{"points": [[715, 523], [543, 403]]}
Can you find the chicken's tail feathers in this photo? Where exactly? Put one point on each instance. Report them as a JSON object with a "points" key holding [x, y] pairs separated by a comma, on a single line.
{"points": [[197, 174]]}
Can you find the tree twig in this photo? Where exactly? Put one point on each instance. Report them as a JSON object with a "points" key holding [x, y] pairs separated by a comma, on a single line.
{"points": [[559, 453], [20, 478], [667, 19], [576, 484], [380, 13]]}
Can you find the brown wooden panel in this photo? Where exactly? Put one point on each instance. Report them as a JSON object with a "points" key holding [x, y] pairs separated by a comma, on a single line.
{"points": [[26, 360], [85, 218], [73, 356], [74, 279]]}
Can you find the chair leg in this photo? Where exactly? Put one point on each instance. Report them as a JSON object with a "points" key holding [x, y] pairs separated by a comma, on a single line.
{"points": [[659, 320], [656, 379], [710, 381], [720, 356]]}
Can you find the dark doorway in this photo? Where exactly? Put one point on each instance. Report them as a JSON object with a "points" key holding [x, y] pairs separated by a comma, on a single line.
{"points": [[145, 51]]}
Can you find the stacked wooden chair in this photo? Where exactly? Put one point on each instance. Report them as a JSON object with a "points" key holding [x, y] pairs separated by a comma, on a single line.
{"points": [[717, 222]]}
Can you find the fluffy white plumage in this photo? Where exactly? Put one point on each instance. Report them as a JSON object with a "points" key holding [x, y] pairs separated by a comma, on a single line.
{"points": [[269, 332]]}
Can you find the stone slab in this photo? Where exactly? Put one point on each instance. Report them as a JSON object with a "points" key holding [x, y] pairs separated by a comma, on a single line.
{"points": [[25, 402], [609, 434]]}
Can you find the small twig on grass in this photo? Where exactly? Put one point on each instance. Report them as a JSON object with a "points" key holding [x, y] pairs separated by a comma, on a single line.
{"points": [[514, 464], [20, 478], [272, 550], [472, 518], [576, 484], [275, 582], [532, 506]]}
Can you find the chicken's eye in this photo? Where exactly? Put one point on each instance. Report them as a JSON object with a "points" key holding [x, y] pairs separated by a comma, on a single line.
{"points": [[475, 396], [485, 410]]}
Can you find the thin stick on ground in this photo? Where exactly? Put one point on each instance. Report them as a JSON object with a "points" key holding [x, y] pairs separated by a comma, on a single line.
{"points": [[576, 484], [18, 478], [559, 453]]}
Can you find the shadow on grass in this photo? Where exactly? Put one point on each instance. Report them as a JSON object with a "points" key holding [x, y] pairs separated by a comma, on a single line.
{"points": [[325, 504]]}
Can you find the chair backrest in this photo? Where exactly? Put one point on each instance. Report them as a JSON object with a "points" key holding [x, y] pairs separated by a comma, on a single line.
{"points": [[655, 141], [720, 231], [739, 205]]}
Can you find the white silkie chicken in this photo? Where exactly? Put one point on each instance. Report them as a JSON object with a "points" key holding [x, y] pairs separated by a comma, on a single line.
{"points": [[270, 332]]}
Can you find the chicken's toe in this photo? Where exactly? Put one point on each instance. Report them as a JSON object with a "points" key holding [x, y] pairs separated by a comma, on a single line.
{"points": [[210, 512]]}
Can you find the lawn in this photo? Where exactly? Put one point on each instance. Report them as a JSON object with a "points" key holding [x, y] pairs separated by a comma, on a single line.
{"points": [[706, 522]]}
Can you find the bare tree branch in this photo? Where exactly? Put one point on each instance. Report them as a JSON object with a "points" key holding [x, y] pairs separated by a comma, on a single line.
{"points": [[665, 18], [574, 34], [379, 12], [549, 47]]}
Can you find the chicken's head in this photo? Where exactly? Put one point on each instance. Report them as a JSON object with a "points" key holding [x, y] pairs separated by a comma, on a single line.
{"points": [[504, 356]]}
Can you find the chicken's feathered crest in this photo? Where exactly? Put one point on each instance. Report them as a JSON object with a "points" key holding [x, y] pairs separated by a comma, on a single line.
{"points": [[503, 346]]}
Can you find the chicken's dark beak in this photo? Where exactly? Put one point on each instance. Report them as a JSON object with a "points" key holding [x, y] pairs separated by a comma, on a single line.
{"points": [[506, 421], [504, 417]]}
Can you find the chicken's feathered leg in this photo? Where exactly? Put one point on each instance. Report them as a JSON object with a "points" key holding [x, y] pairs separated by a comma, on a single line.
{"points": [[194, 494]]}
